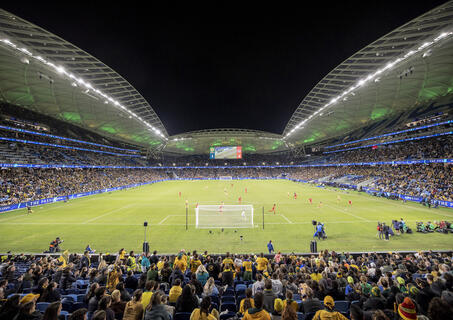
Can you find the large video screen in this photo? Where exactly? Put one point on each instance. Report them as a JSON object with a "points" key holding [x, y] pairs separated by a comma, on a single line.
{"points": [[225, 152]]}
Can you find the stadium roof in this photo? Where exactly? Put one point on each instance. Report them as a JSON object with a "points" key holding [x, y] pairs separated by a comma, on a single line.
{"points": [[409, 67], [252, 141], [406, 68], [47, 74]]}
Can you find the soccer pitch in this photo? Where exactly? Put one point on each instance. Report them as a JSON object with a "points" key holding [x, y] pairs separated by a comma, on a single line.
{"points": [[114, 220]]}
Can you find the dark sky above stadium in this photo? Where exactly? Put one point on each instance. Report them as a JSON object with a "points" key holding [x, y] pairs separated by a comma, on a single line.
{"points": [[222, 67]]}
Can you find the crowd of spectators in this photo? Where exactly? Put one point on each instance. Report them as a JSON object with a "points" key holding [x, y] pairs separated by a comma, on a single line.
{"points": [[21, 185], [17, 185], [194, 286], [433, 148]]}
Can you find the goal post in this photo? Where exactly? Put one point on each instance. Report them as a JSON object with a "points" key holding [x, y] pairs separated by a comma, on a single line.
{"points": [[224, 216]]}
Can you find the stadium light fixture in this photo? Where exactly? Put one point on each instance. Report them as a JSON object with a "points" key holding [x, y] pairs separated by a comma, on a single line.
{"points": [[374, 75], [61, 70]]}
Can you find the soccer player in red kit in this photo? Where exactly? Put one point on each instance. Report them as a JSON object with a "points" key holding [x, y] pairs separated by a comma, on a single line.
{"points": [[245, 190], [180, 193], [240, 200], [350, 202], [310, 200], [295, 196], [273, 209]]}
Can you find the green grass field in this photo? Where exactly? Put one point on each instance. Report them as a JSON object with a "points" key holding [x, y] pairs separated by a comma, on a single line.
{"points": [[109, 222]]}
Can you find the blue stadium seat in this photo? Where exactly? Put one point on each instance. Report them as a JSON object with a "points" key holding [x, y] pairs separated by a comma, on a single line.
{"points": [[72, 297], [42, 306], [67, 305], [225, 299], [310, 315], [355, 302], [342, 306], [80, 297], [64, 314], [228, 292], [78, 305], [240, 288], [230, 306], [300, 316], [227, 315], [182, 316]]}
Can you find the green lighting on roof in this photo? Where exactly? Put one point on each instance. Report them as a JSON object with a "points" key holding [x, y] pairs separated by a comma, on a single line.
{"points": [[216, 143], [154, 142], [189, 149], [250, 148], [71, 116], [276, 144], [313, 137], [137, 138], [378, 113], [341, 125], [108, 129]]}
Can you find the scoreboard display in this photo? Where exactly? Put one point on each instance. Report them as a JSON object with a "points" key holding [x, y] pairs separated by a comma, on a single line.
{"points": [[225, 152]]}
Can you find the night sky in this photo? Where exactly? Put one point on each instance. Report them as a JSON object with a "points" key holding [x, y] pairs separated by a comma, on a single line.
{"points": [[217, 67]]}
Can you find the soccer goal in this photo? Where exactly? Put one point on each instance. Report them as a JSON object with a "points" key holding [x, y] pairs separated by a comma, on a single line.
{"points": [[224, 216]]}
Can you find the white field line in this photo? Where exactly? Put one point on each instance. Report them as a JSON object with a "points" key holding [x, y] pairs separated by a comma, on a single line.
{"points": [[284, 217], [348, 213], [164, 219], [180, 224], [108, 213], [48, 207]]}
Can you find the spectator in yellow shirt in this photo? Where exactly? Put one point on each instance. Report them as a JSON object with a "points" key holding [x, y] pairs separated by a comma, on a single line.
{"points": [[247, 264], [194, 263], [175, 291], [181, 261], [261, 263], [247, 302], [227, 260]]}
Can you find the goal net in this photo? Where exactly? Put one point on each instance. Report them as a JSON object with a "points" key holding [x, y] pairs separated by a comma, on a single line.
{"points": [[224, 216]]}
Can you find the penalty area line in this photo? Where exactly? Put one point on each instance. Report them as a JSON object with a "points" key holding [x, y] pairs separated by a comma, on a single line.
{"points": [[162, 221], [108, 213], [284, 217]]}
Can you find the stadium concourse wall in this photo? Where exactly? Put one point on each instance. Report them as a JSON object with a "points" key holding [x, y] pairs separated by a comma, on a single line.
{"points": [[21, 205]]}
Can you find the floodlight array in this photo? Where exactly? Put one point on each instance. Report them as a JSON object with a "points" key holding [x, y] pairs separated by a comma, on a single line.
{"points": [[374, 76], [76, 81]]}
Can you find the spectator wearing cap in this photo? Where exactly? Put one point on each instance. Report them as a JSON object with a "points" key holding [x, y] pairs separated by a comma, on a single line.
{"points": [[406, 309], [375, 301], [329, 311]]}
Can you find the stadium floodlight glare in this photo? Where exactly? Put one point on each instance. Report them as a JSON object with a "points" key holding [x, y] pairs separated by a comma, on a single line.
{"points": [[61, 70], [224, 216], [361, 82]]}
